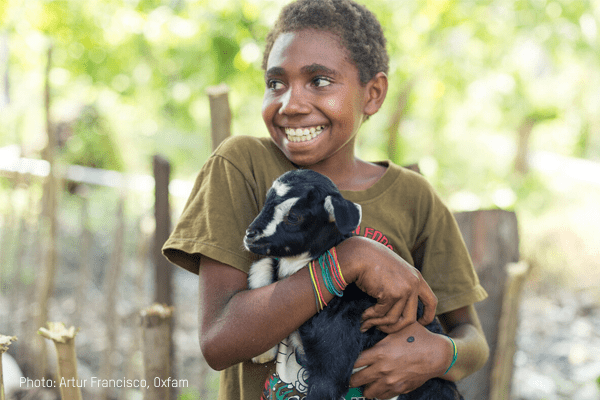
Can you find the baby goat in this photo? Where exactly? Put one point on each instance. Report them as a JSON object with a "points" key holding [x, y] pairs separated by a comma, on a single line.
{"points": [[305, 215]]}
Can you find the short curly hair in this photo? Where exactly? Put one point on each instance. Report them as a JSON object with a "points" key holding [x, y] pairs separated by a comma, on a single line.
{"points": [[358, 28]]}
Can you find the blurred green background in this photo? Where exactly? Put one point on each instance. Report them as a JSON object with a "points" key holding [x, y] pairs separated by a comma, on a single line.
{"points": [[498, 101]]}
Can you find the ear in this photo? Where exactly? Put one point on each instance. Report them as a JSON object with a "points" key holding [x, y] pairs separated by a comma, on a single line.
{"points": [[375, 93], [344, 213]]}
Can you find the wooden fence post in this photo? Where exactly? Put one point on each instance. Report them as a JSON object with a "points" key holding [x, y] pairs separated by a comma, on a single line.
{"points": [[156, 323], [220, 113], [111, 285], [162, 214], [64, 341], [163, 292], [85, 270], [492, 238], [46, 278]]}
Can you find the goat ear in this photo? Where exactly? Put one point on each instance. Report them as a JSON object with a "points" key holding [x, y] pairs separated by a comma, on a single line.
{"points": [[344, 213]]}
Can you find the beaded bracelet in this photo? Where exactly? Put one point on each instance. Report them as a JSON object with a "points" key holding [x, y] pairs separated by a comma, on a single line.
{"points": [[454, 356]]}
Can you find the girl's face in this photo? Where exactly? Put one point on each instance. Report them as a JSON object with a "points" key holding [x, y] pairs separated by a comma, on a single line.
{"points": [[314, 102]]}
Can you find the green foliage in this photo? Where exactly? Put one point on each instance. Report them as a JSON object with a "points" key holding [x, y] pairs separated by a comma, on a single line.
{"points": [[90, 144], [475, 71]]}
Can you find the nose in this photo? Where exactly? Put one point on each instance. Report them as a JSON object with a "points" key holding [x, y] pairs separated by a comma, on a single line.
{"points": [[251, 234], [294, 101]]}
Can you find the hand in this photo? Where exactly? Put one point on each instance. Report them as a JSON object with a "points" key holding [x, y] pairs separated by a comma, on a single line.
{"points": [[396, 285], [397, 365]]}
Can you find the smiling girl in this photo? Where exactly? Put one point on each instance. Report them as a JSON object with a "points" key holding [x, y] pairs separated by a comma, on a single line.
{"points": [[325, 68]]}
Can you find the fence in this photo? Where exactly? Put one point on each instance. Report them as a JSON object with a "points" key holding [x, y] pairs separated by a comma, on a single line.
{"points": [[88, 258], [99, 262]]}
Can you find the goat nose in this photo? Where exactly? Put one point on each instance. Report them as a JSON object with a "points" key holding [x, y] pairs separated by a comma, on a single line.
{"points": [[251, 233]]}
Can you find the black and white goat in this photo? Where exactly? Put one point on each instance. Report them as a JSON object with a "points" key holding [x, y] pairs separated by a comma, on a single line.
{"points": [[305, 215]]}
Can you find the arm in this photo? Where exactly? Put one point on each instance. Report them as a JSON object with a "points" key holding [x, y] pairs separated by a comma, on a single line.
{"points": [[396, 366], [464, 328], [233, 319]]}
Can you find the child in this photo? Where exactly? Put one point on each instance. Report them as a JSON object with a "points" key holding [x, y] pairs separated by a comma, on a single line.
{"points": [[325, 73]]}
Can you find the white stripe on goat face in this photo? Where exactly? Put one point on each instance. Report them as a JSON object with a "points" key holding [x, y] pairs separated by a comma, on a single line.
{"points": [[280, 188], [281, 210]]}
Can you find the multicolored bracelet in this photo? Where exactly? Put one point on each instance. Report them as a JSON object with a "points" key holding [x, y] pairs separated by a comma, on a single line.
{"points": [[316, 286], [331, 273], [454, 356]]}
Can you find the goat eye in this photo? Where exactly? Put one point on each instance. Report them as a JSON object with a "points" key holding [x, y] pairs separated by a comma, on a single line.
{"points": [[293, 218]]}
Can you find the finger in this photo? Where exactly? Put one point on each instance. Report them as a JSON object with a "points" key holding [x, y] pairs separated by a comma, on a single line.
{"points": [[373, 392], [391, 317], [360, 377], [429, 300], [363, 360], [409, 316], [378, 310]]}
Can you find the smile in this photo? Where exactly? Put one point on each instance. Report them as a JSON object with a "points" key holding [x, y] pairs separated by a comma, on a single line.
{"points": [[303, 134]]}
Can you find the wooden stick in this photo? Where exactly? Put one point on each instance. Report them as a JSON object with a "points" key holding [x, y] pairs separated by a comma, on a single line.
{"points": [[156, 342], [111, 286], [47, 277], [501, 376], [163, 292], [4, 343], [220, 113], [64, 341]]}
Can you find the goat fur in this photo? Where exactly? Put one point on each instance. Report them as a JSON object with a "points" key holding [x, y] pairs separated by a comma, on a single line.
{"points": [[305, 215]]}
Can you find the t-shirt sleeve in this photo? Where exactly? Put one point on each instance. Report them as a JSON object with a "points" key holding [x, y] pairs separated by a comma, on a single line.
{"points": [[444, 261], [220, 208]]}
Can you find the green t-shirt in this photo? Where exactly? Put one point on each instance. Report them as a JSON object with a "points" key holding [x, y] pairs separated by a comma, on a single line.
{"points": [[401, 211]]}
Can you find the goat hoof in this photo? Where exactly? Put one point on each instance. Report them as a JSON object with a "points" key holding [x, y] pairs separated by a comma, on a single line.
{"points": [[266, 357]]}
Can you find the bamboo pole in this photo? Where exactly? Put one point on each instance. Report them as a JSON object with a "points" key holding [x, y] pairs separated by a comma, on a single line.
{"points": [[64, 341], [156, 341], [220, 113], [4, 343]]}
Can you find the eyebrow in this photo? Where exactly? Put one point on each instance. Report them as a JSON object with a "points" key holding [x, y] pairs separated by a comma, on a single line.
{"points": [[307, 69], [318, 68]]}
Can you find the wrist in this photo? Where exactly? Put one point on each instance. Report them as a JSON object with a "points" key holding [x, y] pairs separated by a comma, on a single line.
{"points": [[349, 257], [454, 355], [448, 360]]}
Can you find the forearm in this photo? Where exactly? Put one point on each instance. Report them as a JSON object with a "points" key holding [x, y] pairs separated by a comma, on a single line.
{"points": [[252, 321], [249, 322], [473, 351]]}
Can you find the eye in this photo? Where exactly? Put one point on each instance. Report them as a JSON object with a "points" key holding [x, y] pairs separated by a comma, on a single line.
{"points": [[321, 81], [293, 218], [274, 84]]}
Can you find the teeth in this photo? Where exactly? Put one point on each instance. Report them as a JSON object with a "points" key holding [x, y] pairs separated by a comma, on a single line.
{"points": [[303, 134]]}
